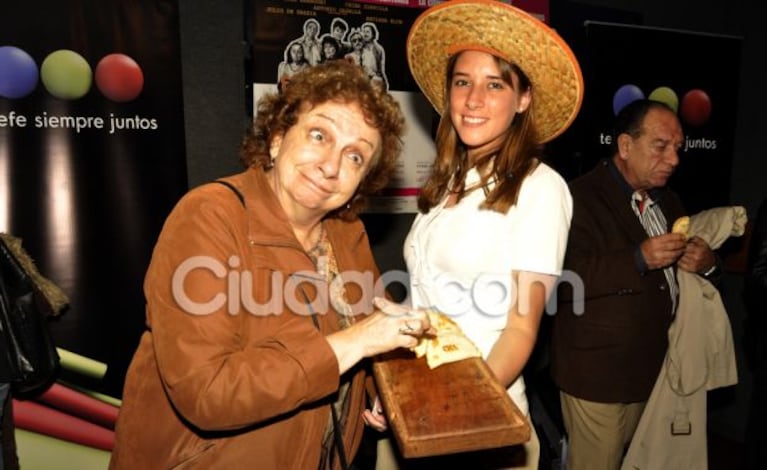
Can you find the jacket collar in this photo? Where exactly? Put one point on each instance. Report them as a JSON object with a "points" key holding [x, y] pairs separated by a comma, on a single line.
{"points": [[656, 194], [617, 196]]}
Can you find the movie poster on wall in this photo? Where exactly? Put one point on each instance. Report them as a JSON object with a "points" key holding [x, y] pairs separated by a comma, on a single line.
{"points": [[626, 62], [288, 35], [92, 158]]}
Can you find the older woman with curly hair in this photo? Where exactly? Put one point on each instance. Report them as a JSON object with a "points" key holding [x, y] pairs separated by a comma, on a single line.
{"points": [[260, 293]]}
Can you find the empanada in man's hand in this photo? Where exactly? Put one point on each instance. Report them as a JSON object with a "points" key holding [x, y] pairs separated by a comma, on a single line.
{"points": [[682, 225]]}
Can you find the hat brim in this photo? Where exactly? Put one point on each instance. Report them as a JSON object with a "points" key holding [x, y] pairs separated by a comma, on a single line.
{"points": [[517, 36]]}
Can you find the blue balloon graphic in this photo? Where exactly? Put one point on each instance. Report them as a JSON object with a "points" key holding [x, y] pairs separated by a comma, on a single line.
{"points": [[625, 95], [18, 73]]}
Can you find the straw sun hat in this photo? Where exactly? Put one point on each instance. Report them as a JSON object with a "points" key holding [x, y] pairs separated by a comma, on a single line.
{"points": [[509, 33]]}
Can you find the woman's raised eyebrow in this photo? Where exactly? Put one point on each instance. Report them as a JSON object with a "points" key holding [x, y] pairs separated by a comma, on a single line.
{"points": [[361, 139]]}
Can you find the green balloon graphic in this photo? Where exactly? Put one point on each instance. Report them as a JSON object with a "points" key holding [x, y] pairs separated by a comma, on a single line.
{"points": [[66, 75], [665, 95]]}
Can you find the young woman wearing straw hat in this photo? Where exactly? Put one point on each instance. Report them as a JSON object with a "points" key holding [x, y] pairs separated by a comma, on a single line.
{"points": [[489, 241]]}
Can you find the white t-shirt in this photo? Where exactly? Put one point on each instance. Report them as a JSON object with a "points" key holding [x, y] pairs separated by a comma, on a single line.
{"points": [[460, 258]]}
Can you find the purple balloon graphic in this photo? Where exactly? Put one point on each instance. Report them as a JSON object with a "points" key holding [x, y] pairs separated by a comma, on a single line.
{"points": [[18, 73], [625, 95]]}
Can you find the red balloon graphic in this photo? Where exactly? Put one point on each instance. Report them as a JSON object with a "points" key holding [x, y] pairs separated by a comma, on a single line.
{"points": [[119, 78], [695, 108]]}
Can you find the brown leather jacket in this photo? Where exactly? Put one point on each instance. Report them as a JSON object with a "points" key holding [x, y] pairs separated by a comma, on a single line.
{"points": [[245, 379]]}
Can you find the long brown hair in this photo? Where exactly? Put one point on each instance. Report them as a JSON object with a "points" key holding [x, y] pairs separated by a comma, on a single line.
{"points": [[507, 166]]}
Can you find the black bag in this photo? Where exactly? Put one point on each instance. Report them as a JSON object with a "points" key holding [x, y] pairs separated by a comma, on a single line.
{"points": [[28, 357]]}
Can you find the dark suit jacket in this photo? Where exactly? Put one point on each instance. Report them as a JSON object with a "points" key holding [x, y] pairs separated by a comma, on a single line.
{"points": [[612, 352]]}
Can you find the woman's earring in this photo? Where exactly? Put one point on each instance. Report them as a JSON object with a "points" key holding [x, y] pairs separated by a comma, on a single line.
{"points": [[351, 201]]}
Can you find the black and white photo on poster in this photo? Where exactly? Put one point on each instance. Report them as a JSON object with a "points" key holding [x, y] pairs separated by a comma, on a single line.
{"points": [[358, 44]]}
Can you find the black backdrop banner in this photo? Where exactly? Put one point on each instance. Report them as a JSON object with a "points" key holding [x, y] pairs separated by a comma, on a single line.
{"points": [[92, 157], [696, 73]]}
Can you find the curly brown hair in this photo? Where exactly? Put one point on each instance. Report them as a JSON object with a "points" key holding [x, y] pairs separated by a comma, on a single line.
{"points": [[339, 81]]}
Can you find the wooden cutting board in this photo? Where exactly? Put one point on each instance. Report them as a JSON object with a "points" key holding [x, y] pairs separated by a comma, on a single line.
{"points": [[455, 407]]}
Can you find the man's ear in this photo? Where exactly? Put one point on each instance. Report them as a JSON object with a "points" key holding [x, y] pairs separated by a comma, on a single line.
{"points": [[625, 142]]}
